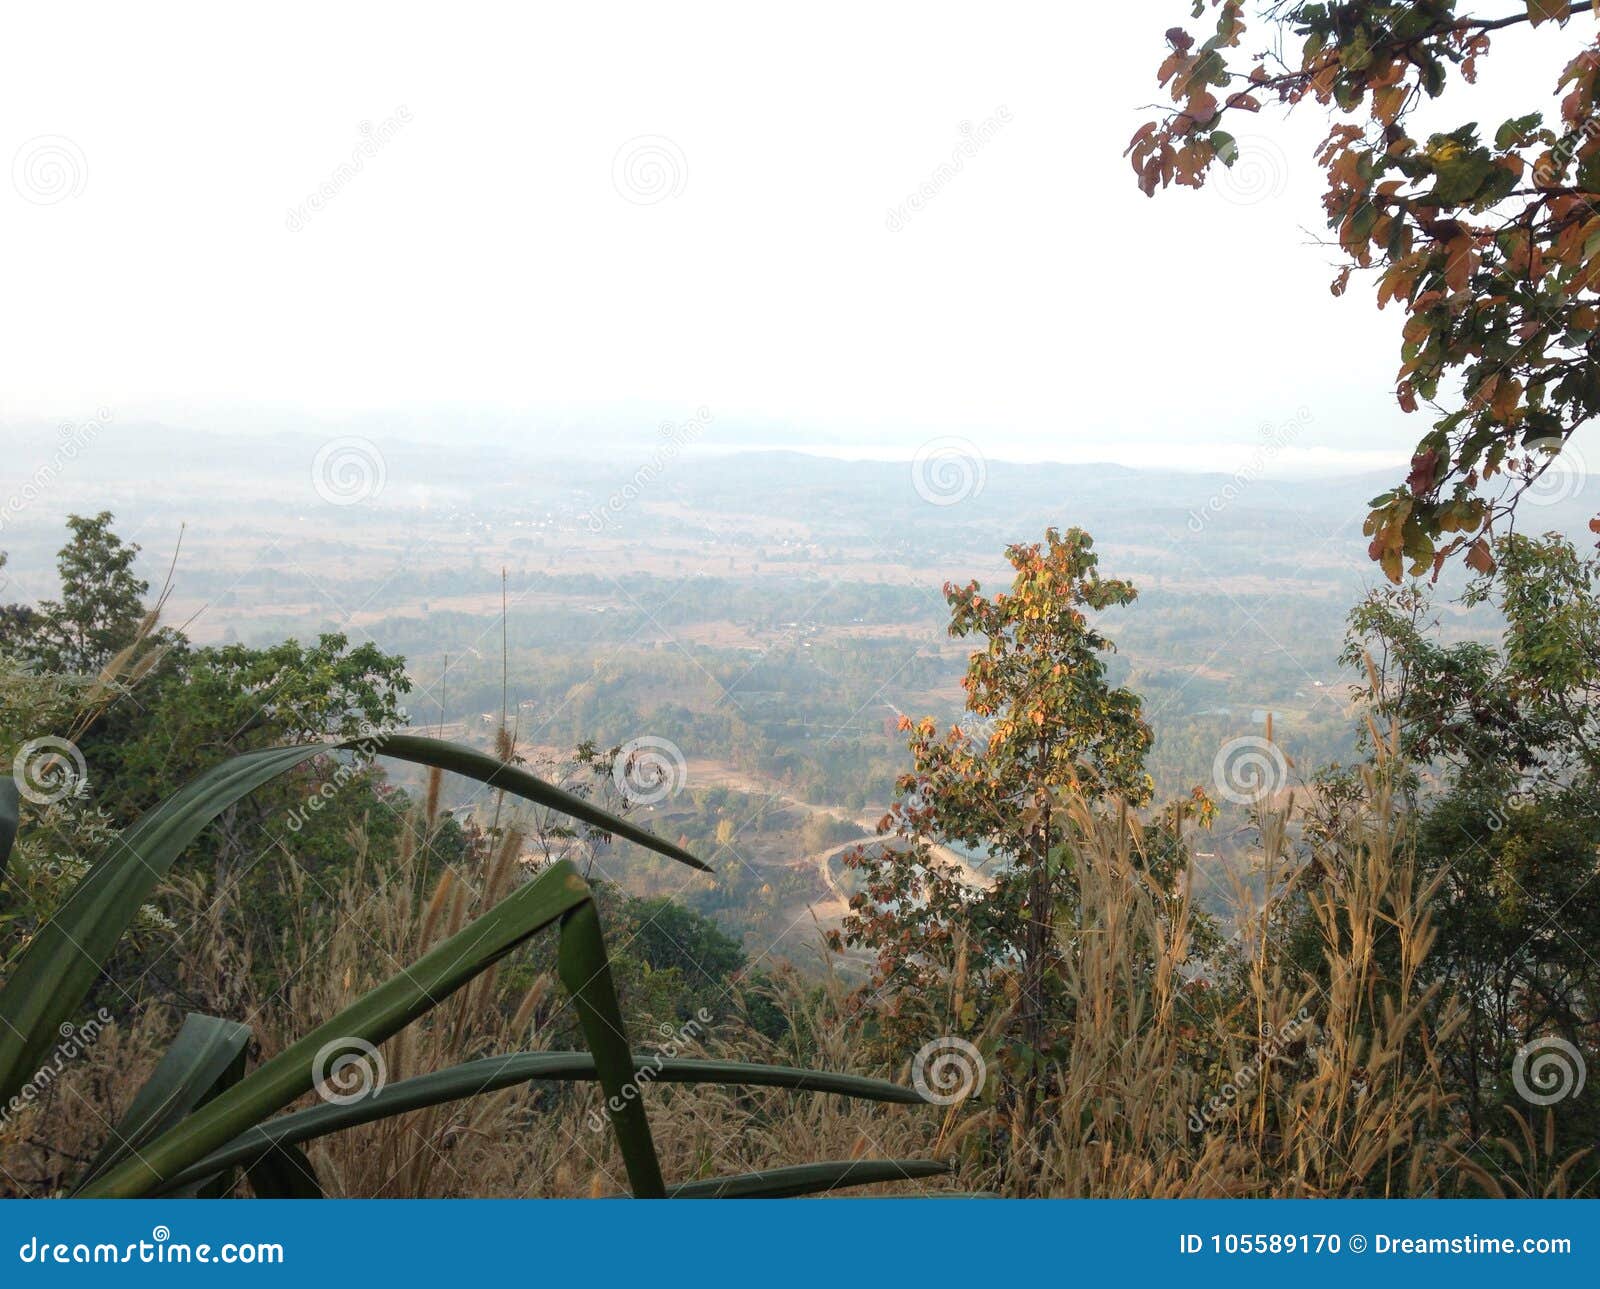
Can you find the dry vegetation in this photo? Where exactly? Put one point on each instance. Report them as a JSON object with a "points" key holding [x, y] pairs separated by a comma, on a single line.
{"points": [[1276, 1085]]}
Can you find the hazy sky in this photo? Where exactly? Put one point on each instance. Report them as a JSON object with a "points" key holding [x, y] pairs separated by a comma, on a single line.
{"points": [[633, 211]]}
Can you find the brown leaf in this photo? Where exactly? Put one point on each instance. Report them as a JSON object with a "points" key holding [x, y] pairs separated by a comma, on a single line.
{"points": [[1478, 557], [1420, 480]]}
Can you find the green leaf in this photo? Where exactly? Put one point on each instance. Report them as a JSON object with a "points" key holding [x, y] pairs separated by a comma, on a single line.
{"points": [[59, 966], [496, 774], [9, 807], [1514, 131], [810, 1179], [369, 1020], [283, 1173], [582, 966], [189, 1072], [492, 1073], [1461, 177]]}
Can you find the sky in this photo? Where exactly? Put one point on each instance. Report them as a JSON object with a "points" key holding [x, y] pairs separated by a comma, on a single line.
{"points": [[521, 219]]}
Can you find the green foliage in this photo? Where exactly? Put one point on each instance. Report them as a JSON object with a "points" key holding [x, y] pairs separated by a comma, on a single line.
{"points": [[101, 604], [669, 938], [1508, 726], [143, 707], [10, 808], [1520, 713]]}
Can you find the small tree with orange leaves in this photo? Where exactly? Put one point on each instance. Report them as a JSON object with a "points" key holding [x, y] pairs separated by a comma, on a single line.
{"points": [[1044, 725]]}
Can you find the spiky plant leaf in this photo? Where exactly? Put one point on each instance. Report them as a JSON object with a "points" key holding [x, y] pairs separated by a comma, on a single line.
{"points": [[57, 969], [10, 806], [194, 1068], [473, 764], [492, 1073], [581, 964], [368, 1021], [810, 1179], [283, 1172]]}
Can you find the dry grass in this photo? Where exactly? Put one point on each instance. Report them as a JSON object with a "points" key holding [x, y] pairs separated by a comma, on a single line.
{"points": [[1246, 1071], [540, 1140], [1250, 1073], [1303, 1083]]}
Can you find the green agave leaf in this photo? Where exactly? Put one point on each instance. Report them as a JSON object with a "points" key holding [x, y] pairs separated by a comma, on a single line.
{"points": [[961, 1195], [218, 1185], [56, 970], [198, 1063], [581, 964], [492, 1073], [810, 1179], [368, 1021], [10, 807], [284, 1173], [496, 774], [59, 966]]}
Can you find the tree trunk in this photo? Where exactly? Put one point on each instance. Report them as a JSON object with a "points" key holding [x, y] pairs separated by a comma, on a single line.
{"points": [[1035, 955]]}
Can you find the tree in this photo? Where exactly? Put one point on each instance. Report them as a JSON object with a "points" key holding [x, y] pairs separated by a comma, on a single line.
{"points": [[102, 600], [1045, 728], [1511, 731], [17, 621], [1490, 245], [1515, 918], [1521, 714], [180, 709]]}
